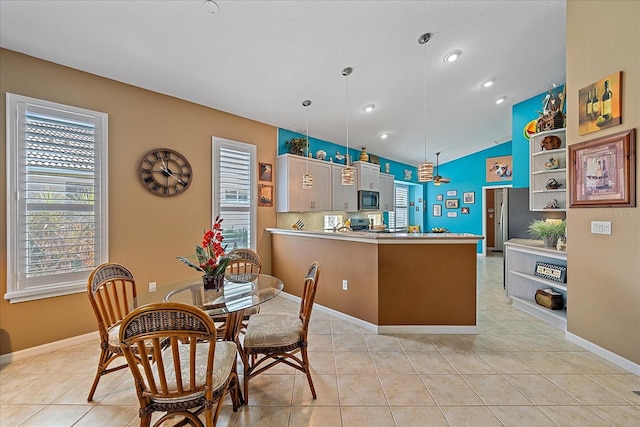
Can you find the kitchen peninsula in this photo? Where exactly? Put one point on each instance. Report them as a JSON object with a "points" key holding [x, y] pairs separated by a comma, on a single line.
{"points": [[397, 282]]}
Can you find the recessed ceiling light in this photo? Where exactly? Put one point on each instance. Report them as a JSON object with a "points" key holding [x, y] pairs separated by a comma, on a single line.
{"points": [[210, 6], [368, 108], [501, 100], [384, 136], [489, 82], [453, 55]]}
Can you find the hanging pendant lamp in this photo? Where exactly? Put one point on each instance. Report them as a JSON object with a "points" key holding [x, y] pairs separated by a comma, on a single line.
{"points": [[307, 178], [348, 173], [425, 169]]}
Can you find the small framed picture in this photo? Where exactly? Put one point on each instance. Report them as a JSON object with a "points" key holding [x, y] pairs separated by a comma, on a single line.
{"points": [[469, 197], [265, 172], [437, 210], [439, 197], [451, 203], [452, 214], [464, 211], [452, 193], [265, 195]]}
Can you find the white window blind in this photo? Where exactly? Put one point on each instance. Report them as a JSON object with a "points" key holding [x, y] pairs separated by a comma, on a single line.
{"points": [[234, 166], [399, 218], [57, 213]]}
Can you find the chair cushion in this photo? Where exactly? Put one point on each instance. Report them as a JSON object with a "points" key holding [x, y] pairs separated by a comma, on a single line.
{"points": [[225, 357], [114, 335], [272, 330]]}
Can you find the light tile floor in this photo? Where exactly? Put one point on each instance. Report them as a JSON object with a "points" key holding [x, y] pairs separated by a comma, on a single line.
{"points": [[517, 371]]}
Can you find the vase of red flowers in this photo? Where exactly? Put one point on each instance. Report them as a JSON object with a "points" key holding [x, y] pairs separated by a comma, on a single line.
{"points": [[212, 260]]}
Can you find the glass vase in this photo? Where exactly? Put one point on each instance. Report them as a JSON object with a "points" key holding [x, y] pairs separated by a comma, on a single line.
{"points": [[215, 282]]}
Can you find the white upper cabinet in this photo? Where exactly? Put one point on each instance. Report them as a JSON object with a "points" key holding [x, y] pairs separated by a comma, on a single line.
{"points": [[290, 196], [387, 192], [368, 176], [344, 197]]}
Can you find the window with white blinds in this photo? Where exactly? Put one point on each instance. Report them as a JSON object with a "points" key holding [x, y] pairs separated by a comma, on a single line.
{"points": [[234, 195], [57, 206], [399, 218]]}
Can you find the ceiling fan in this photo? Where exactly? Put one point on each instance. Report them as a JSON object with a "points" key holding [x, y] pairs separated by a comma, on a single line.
{"points": [[437, 179]]}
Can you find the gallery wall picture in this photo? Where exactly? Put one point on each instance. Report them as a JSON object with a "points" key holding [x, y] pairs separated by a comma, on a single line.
{"points": [[600, 104], [469, 197], [451, 203], [437, 210], [439, 197], [499, 169], [464, 211]]}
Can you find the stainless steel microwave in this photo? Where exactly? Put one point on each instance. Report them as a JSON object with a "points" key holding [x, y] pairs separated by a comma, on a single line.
{"points": [[368, 200]]}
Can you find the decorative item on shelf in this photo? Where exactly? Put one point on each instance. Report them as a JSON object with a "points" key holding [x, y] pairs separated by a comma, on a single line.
{"points": [[307, 177], [211, 257], [387, 168], [551, 115], [550, 142], [557, 273], [297, 146], [364, 156], [562, 244], [553, 184], [552, 163], [550, 299], [549, 230], [321, 154], [552, 204], [348, 173], [425, 169]]}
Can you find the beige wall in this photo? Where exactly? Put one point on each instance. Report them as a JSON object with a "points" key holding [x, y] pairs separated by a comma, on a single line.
{"points": [[146, 231], [604, 271]]}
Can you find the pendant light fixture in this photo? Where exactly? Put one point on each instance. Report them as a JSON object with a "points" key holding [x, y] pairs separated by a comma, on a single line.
{"points": [[348, 173], [425, 169], [307, 178]]}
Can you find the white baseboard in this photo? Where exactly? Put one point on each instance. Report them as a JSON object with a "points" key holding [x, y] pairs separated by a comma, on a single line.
{"points": [[617, 360], [39, 350], [391, 329]]}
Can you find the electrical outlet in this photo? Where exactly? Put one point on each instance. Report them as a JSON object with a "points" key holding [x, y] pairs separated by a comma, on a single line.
{"points": [[152, 286], [345, 285]]}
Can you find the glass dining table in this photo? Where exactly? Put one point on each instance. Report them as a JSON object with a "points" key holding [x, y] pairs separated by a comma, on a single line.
{"points": [[239, 293]]}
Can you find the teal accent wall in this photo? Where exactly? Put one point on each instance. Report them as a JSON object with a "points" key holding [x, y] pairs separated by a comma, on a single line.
{"points": [[522, 114], [467, 174], [395, 168]]}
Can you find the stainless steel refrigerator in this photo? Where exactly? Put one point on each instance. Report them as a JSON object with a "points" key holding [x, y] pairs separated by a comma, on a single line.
{"points": [[515, 215]]}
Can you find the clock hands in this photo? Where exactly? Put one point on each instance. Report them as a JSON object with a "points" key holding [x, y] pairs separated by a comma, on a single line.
{"points": [[167, 172]]}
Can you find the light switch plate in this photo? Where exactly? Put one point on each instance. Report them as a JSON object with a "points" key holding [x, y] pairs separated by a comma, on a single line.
{"points": [[600, 227]]}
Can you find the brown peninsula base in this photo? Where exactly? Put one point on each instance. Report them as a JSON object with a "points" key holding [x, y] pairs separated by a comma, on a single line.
{"points": [[392, 282]]}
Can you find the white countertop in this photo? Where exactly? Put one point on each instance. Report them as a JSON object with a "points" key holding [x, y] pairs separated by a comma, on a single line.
{"points": [[385, 238]]}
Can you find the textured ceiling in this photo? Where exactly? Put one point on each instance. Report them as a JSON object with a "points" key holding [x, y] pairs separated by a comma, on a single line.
{"points": [[261, 59]]}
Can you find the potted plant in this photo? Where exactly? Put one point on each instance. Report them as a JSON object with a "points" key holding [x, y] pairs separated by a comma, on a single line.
{"points": [[548, 231], [297, 146]]}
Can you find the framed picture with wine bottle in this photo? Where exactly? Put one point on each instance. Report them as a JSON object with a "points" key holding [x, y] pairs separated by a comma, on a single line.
{"points": [[600, 104]]}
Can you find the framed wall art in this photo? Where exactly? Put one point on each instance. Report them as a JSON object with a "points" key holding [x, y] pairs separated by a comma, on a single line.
{"points": [[600, 104], [439, 197], [265, 172], [464, 211], [469, 197], [265, 195], [451, 203], [452, 214], [603, 171], [499, 169], [452, 192], [437, 210]]}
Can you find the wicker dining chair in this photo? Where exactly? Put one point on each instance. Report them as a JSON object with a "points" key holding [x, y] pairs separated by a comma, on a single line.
{"points": [[243, 262], [111, 289], [191, 370], [274, 338]]}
